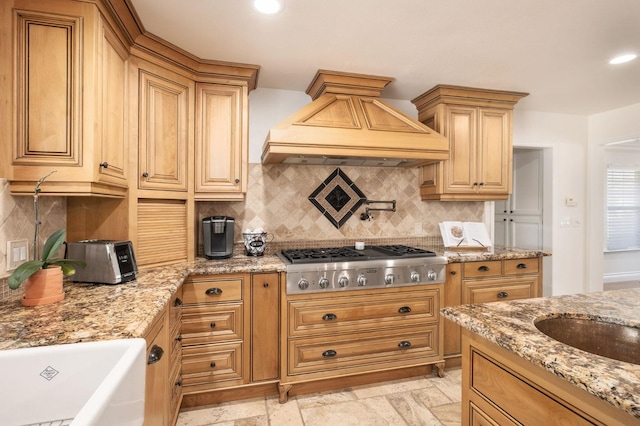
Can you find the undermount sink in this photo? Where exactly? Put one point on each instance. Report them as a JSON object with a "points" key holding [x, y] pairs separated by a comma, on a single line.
{"points": [[84, 384], [607, 339]]}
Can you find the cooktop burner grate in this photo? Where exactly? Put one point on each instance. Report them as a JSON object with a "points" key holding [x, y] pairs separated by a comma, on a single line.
{"points": [[348, 254]]}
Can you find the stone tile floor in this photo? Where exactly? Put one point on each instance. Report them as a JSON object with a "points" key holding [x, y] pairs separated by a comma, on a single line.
{"points": [[430, 401]]}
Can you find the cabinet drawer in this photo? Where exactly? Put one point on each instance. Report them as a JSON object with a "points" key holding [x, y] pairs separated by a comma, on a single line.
{"points": [[362, 313], [520, 266], [211, 324], [211, 363], [361, 351], [477, 417], [517, 397], [503, 290], [492, 268], [199, 290]]}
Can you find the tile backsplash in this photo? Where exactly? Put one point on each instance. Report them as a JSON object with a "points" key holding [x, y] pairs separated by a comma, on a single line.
{"points": [[17, 223], [278, 201]]}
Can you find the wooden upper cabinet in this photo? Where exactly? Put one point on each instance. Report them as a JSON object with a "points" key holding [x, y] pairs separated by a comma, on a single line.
{"points": [[478, 124], [69, 90], [221, 147], [165, 117]]}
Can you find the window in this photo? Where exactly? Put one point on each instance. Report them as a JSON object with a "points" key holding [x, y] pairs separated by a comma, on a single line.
{"points": [[623, 208]]}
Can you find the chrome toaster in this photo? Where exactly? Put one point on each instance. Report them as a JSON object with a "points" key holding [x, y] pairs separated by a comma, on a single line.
{"points": [[108, 261]]}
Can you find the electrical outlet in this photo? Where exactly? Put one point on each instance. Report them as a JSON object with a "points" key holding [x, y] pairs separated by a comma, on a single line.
{"points": [[17, 253], [417, 228]]}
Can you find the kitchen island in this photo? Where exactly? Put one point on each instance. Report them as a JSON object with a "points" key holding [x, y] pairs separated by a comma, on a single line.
{"points": [[503, 349]]}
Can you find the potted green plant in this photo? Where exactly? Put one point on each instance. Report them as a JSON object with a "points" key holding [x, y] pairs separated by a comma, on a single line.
{"points": [[42, 276]]}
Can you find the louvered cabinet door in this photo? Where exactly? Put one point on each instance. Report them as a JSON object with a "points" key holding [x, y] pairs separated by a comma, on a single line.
{"points": [[162, 232]]}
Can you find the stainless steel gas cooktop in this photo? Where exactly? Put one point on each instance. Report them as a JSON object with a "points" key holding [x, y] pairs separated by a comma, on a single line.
{"points": [[345, 268]]}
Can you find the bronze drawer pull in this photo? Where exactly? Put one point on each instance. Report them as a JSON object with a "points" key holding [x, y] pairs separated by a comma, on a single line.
{"points": [[265, 285], [212, 365], [483, 268], [522, 266], [104, 165], [503, 294], [178, 339], [212, 325], [155, 355], [404, 344], [215, 291], [404, 310], [329, 354], [329, 317], [179, 383], [178, 302]]}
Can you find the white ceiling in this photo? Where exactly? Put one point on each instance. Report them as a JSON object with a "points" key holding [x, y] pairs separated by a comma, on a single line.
{"points": [[556, 50]]}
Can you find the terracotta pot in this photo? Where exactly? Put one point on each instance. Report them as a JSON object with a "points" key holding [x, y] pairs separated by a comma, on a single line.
{"points": [[43, 287]]}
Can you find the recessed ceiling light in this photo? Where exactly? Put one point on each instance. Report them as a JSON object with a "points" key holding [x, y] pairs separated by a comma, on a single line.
{"points": [[268, 7], [623, 58]]}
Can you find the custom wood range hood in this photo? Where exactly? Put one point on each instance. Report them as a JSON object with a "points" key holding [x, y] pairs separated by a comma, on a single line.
{"points": [[348, 124]]}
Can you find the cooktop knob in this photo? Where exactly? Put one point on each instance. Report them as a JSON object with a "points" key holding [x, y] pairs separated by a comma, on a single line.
{"points": [[362, 280], [303, 284], [432, 275], [343, 281], [415, 277], [323, 282], [388, 279]]}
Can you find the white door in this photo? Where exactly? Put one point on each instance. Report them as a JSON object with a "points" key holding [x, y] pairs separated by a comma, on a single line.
{"points": [[518, 220]]}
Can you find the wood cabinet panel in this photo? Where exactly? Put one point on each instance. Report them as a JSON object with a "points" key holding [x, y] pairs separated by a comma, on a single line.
{"points": [[212, 324], [161, 232], [327, 316], [478, 124], [487, 281], [503, 389], [491, 268], [349, 333], [157, 373], [265, 326], [212, 290], [221, 147], [521, 266], [164, 136], [499, 290], [362, 352], [64, 56], [210, 364]]}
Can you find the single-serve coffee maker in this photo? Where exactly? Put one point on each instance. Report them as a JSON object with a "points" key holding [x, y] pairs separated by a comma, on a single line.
{"points": [[217, 236]]}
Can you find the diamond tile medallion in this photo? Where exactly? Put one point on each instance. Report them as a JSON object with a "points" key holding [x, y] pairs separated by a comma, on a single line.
{"points": [[337, 198]]}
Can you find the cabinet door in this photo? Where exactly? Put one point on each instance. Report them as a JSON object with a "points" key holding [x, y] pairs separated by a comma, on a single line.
{"points": [[460, 169], [112, 151], [157, 374], [265, 308], [452, 297], [221, 142], [163, 130], [495, 154]]}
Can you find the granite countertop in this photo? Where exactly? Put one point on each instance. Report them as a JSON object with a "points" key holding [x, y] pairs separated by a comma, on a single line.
{"points": [[92, 312], [511, 326], [494, 253], [100, 312]]}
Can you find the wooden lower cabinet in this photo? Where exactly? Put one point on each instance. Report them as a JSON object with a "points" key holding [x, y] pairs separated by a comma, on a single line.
{"points": [[330, 336], [163, 391], [487, 281], [501, 388], [230, 335]]}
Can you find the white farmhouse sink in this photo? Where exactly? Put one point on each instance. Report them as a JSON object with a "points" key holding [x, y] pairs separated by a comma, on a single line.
{"points": [[94, 383]]}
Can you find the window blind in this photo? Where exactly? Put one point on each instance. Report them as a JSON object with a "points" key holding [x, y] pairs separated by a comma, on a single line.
{"points": [[623, 209]]}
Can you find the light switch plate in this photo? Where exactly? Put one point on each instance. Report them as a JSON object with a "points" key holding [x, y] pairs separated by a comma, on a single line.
{"points": [[17, 253]]}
